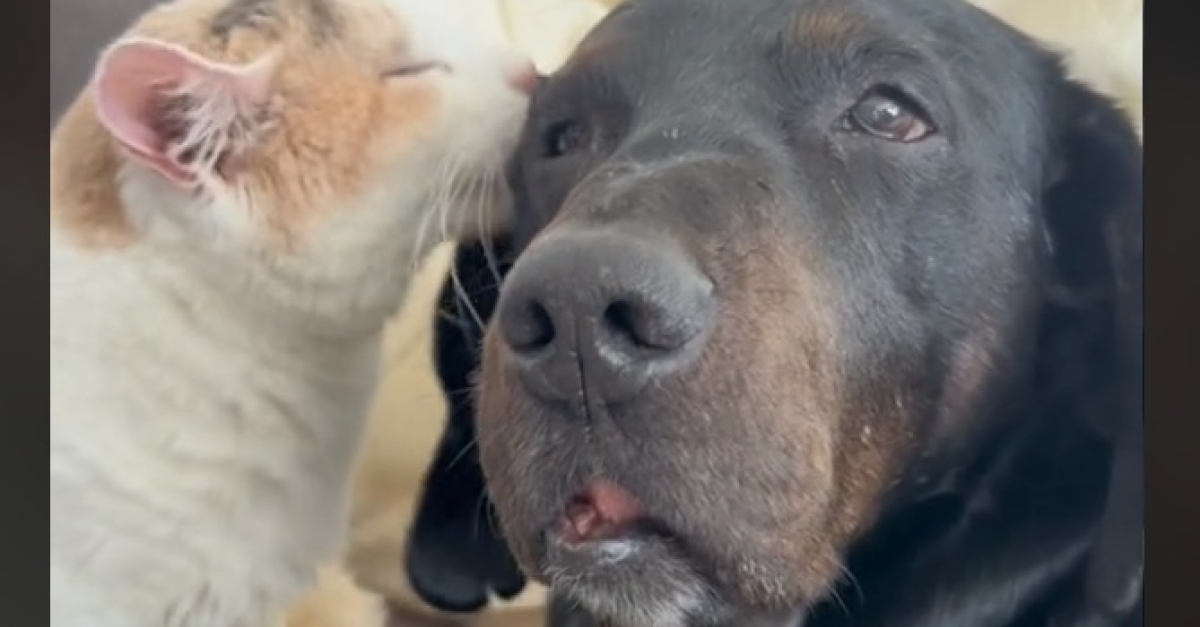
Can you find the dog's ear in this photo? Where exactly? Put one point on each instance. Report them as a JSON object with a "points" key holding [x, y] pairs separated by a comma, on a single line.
{"points": [[1094, 222], [456, 558]]}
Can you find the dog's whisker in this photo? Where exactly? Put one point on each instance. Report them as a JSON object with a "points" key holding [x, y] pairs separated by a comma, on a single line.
{"points": [[462, 453], [458, 391], [481, 512], [849, 576]]}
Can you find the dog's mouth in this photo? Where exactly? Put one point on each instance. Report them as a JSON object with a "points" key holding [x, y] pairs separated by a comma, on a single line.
{"points": [[601, 512], [605, 528], [607, 523], [607, 553]]}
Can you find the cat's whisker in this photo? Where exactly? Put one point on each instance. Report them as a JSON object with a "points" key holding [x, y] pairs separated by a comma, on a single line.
{"points": [[458, 192], [422, 229], [466, 199], [460, 292], [453, 196], [480, 213], [489, 252], [433, 203], [481, 192]]}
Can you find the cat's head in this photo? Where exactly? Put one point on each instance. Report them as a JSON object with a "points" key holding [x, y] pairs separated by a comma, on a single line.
{"points": [[319, 140]]}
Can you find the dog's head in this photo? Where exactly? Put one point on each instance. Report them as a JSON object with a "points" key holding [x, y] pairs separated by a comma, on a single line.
{"points": [[784, 262]]}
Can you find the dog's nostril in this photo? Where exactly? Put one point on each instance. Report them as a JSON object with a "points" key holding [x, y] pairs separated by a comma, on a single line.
{"points": [[621, 319], [642, 325], [534, 331]]}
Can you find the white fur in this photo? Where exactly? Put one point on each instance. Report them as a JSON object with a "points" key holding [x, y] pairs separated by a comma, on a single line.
{"points": [[207, 395]]}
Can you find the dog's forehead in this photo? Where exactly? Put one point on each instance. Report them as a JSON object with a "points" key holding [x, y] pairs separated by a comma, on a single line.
{"points": [[653, 40], [725, 67]]}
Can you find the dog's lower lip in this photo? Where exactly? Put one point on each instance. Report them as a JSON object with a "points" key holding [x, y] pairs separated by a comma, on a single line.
{"points": [[623, 552], [613, 544]]}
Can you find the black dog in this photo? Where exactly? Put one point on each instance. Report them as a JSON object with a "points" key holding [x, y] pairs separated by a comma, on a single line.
{"points": [[455, 558], [825, 313]]}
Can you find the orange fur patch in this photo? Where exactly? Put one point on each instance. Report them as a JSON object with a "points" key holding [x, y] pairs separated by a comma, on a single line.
{"points": [[83, 171], [330, 112]]}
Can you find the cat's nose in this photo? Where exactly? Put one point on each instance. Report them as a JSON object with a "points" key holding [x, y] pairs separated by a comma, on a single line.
{"points": [[522, 76]]}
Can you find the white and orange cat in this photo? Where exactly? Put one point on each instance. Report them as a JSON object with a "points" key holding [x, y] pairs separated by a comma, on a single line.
{"points": [[238, 201]]}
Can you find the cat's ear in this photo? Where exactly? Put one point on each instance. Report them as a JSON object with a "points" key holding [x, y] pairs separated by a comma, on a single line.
{"points": [[177, 113]]}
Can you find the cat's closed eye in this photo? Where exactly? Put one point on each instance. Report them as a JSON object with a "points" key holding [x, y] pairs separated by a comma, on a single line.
{"points": [[416, 68]]}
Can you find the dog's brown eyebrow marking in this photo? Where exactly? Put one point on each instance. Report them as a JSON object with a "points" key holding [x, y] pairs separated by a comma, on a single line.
{"points": [[825, 24]]}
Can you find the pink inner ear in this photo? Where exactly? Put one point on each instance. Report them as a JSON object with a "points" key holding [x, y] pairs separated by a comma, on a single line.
{"points": [[135, 74], [131, 78]]}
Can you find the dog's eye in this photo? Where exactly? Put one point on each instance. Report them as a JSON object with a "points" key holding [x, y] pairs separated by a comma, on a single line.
{"points": [[563, 138], [889, 116]]}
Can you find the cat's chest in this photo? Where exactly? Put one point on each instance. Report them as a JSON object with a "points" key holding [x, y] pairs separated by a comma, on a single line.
{"points": [[230, 478], [193, 451], [245, 445], [244, 431]]}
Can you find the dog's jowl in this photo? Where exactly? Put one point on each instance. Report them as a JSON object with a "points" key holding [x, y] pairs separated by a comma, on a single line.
{"points": [[825, 312]]}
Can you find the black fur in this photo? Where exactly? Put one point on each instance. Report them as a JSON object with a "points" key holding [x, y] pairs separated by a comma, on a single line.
{"points": [[455, 558], [1036, 526]]}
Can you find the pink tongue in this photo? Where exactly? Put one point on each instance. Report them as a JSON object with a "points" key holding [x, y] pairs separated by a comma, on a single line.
{"points": [[602, 510]]}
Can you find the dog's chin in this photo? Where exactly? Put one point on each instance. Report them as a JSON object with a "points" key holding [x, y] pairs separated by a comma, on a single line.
{"points": [[634, 579]]}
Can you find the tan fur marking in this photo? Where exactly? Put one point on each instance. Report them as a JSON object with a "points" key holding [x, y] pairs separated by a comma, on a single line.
{"points": [[830, 24], [335, 109], [330, 109], [792, 353], [83, 171]]}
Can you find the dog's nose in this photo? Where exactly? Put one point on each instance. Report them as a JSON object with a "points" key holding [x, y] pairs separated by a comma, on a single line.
{"points": [[603, 311]]}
